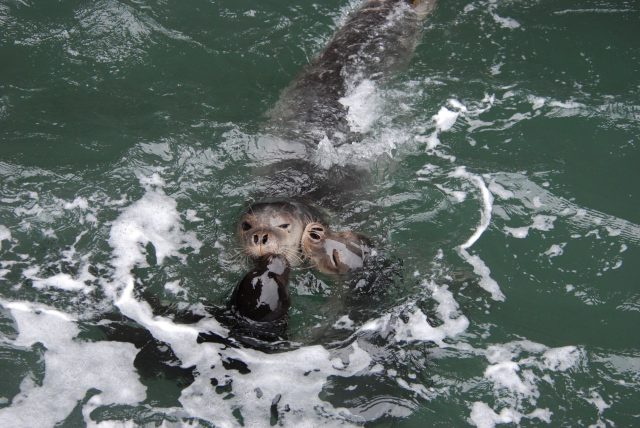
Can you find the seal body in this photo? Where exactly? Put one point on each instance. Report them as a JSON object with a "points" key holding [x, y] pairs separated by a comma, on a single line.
{"points": [[311, 116], [377, 39], [263, 294], [334, 252]]}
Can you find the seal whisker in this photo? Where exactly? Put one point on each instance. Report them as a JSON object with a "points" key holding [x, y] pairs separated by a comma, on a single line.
{"points": [[292, 255]]}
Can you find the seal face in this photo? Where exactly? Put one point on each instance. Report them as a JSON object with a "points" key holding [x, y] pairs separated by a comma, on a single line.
{"points": [[334, 252], [274, 228]]}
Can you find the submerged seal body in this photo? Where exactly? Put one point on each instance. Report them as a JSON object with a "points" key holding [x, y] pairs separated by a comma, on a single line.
{"points": [[376, 40]]}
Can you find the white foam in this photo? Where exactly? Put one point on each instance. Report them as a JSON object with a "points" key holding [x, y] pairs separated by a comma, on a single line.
{"points": [[566, 105], [597, 400], [479, 267], [175, 288], [326, 155], [454, 323], [543, 222], [540, 222], [483, 416], [417, 327], [505, 375], [580, 219], [64, 281], [563, 358], [500, 191], [78, 202], [612, 231], [5, 234], [363, 105], [344, 323], [536, 102], [432, 141], [456, 195], [192, 216], [151, 220], [517, 232], [555, 250], [362, 152], [514, 371], [72, 368], [487, 204], [505, 22], [495, 69], [445, 119]]}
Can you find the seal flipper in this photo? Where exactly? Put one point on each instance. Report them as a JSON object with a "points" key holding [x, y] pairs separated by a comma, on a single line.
{"points": [[263, 294]]}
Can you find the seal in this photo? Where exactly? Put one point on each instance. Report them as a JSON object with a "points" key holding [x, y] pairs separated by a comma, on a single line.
{"points": [[263, 294], [275, 228], [334, 252], [377, 39]]}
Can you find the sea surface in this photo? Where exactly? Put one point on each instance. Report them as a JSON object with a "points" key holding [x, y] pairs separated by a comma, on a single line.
{"points": [[505, 167]]}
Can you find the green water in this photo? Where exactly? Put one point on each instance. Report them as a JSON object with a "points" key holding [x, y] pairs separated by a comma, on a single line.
{"points": [[111, 112]]}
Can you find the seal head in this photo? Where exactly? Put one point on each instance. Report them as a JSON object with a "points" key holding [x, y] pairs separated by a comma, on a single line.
{"points": [[334, 252], [274, 228]]}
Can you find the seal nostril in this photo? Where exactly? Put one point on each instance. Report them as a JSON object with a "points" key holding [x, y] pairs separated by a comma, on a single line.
{"points": [[255, 239], [265, 238], [314, 236]]}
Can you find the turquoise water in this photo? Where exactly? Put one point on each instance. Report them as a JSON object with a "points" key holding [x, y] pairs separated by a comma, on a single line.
{"points": [[504, 175]]}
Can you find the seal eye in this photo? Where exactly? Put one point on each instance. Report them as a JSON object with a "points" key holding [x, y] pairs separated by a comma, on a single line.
{"points": [[284, 226], [245, 226]]}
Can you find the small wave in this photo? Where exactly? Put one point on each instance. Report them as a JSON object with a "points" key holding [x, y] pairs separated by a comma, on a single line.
{"points": [[538, 199], [594, 10]]}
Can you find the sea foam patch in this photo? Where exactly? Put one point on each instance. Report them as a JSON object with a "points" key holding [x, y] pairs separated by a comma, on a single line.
{"points": [[515, 371], [416, 325], [363, 105], [540, 222], [72, 368], [5, 234]]}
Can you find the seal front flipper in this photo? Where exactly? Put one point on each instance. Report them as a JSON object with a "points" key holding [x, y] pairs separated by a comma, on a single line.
{"points": [[263, 294]]}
